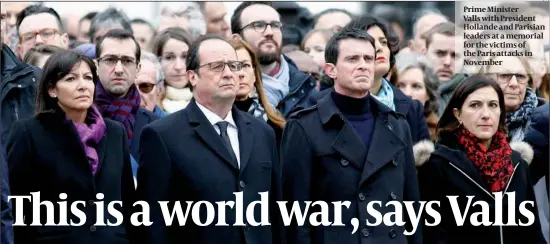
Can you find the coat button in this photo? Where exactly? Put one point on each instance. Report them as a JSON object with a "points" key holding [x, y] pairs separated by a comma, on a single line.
{"points": [[247, 227], [365, 232], [390, 127], [361, 197], [242, 184], [344, 162], [394, 162], [392, 234], [91, 202], [393, 196], [93, 228]]}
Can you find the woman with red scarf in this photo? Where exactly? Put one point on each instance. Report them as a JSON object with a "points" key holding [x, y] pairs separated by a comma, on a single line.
{"points": [[473, 162]]}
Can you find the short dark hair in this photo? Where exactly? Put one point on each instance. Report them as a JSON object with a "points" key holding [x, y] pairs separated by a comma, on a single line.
{"points": [[110, 16], [38, 9], [192, 61], [118, 34], [445, 28], [162, 37], [58, 66], [366, 22], [333, 45], [448, 123], [236, 23], [34, 54]]}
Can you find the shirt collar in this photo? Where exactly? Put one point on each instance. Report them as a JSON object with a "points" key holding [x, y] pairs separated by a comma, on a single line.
{"points": [[214, 118]]}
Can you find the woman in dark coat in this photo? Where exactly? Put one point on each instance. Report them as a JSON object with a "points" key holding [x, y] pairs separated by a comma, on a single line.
{"points": [[250, 97], [69, 153], [473, 158]]}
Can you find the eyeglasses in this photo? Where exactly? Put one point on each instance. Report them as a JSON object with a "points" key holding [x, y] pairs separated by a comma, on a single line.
{"points": [[45, 34], [260, 26], [220, 66], [112, 60], [506, 78], [146, 87]]}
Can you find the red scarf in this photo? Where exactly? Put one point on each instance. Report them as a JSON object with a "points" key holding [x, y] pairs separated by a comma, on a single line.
{"points": [[494, 165]]}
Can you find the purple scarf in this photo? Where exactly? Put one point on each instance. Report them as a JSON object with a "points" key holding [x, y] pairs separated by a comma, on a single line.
{"points": [[90, 135], [123, 110]]}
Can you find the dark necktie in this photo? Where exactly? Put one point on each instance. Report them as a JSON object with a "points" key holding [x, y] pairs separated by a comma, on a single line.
{"points": [[225, 137]]}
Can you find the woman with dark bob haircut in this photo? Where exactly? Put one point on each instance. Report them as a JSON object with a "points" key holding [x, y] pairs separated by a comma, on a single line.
{"points": [[386, 45], [472, 158], [68, 153]]}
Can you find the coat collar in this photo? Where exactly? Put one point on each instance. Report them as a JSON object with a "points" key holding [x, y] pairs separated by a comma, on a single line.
{"points": [[401, 101], [212, 139], [385, 142], [55, 120], [327, 108]]}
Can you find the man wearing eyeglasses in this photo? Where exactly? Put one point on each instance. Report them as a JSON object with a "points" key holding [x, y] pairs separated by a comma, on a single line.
{"points": [[117, 96], [37, 25], [207, 152], [287, 88], [149, 82]]}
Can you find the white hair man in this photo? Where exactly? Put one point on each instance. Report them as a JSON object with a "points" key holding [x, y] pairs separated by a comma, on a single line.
{"points": [[150, 82]]}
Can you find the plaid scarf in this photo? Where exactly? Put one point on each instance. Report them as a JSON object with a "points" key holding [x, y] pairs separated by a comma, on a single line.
{"points": [[494, 164], [518, 121], [123, 110]]}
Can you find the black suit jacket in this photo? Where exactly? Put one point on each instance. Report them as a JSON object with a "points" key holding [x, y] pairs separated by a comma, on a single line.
{"points": [[45, 155], [183, 159]]}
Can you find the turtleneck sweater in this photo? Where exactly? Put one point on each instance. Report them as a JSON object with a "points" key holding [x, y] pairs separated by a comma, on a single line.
{"points": [[358, 114]]}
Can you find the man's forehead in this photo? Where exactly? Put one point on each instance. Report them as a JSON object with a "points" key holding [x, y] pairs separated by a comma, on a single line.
{"points": [[148, 69], [443, 40], [360, 47], [113, 46], [259, 12], [38, 22]]}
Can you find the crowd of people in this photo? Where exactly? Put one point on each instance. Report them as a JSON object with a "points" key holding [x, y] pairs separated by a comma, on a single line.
{"points": [[193, 108]]}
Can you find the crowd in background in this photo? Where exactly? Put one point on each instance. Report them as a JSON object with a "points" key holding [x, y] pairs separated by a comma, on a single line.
{"points": [[145, 74]]}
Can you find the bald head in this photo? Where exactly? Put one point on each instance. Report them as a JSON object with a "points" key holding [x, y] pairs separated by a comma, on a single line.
{"points": [[421, 26]]}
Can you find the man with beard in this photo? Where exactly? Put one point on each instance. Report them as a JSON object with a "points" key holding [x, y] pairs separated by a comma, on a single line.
{"points": [[117, 97], [287, 88], [441, 51], [210, 151]]}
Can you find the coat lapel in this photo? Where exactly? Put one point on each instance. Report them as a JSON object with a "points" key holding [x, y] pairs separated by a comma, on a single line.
{"points": [[246, 137], [351, 146], [385, 145], [101, 149], [401, 103], [208, 134], [347, 142]]}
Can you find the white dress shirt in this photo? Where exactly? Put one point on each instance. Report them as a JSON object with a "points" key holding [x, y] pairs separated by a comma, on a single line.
{"points": [[231, 129]]}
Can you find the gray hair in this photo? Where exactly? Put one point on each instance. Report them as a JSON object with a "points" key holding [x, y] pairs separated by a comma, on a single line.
{"points": [[147, 56], [409, 60], [108, 18], [190, 10]]}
